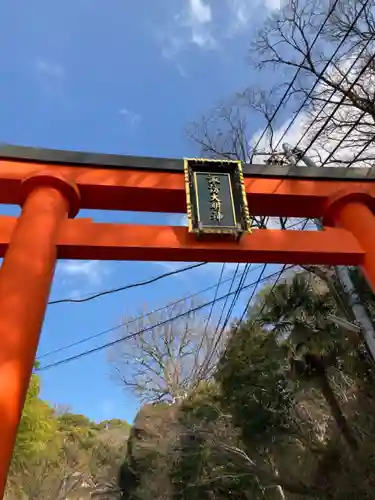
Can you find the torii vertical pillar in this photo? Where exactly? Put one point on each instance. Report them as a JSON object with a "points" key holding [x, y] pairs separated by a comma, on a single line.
{"points": [[354, 211], [25, 280]]}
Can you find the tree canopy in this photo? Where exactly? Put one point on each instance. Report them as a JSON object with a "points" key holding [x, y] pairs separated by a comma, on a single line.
{"points": [[59, 455], [287, 415]]}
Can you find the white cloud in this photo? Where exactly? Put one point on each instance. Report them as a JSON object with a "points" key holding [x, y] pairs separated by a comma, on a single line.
{"points": [[90, 272], [200, 11], [131, 117], [207, 25], [49, 69], [198, 19], [50, 78], [273, 4], [243, 12], [326, 130], [290, 136], [190, 27]]}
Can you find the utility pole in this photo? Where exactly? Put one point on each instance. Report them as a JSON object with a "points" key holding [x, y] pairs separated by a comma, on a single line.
{"points": [[295, 155]]}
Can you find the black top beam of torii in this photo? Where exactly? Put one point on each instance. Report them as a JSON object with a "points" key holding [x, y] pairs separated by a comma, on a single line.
{"points": [[112, 161]]}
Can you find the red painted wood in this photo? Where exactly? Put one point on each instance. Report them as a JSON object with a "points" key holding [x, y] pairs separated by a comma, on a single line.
{"points": [[84, 239]]}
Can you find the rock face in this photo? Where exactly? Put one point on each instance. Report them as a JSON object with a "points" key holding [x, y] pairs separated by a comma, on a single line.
{"points": [[145, 473]]}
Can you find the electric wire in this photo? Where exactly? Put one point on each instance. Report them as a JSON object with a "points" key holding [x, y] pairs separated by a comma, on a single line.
{"points": [[183, 299], [352, 127], [211, 309], [171, 304], [259, 313], [127, 287], [358, 155], [202, 372], [109, 330], [226, 300], [334, 91], [253, 294], [321, 74], [304, 223], [139, 332], [215, 296], [205, 366], [285, 95], [236, 297], [278, 277], [334, 110]]}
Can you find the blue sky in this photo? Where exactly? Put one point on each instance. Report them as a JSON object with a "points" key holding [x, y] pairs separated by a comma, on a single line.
{"points": [[116, 76]]}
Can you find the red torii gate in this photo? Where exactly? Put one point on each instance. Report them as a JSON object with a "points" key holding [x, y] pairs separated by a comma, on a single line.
{"points": [[51, 186]]}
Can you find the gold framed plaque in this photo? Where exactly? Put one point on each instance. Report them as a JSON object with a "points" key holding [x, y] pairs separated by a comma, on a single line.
{"points": [[216, 198]]}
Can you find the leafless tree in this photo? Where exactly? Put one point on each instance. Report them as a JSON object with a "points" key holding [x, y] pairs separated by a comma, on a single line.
{"points": [[320, 56], [169, 357], [62, 409], [72, 474], [326, 51], [44, 479], [225, 132]]}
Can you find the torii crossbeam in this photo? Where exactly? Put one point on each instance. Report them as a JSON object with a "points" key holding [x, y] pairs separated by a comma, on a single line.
{"points": [[52, 186]]}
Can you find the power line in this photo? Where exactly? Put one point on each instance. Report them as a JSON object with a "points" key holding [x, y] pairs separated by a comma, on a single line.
{"points": [[321, 75], [109, 330], [211, 309], [304, 223], [278, 107], [226, 300], [330, 97], [278, 274], [335, 109], [242, 281], [203, 371], [183, 299], [127, 287], [215, 296], [253, 293], [282, 270], [139, 332], [352, 127], [358, 155], [240, 288], [236, 297]]}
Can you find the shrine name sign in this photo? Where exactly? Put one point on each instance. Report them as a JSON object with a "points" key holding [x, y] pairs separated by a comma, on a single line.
{"points": [[216, 198]]}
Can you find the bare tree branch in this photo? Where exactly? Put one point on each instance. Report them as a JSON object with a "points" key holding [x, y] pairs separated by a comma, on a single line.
{"points": [[164, 363]]}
